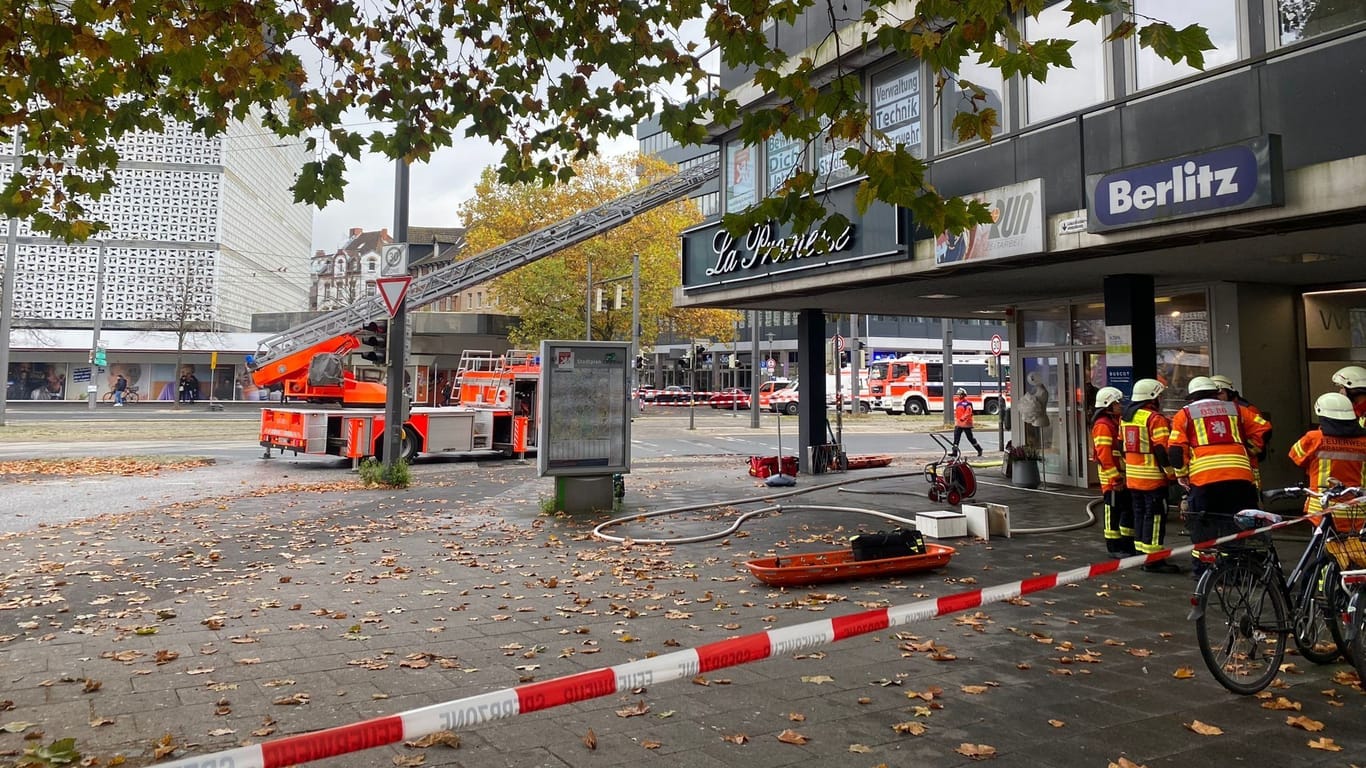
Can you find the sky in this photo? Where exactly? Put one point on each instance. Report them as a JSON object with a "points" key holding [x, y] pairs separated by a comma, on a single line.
{"points": [[436, 190]]}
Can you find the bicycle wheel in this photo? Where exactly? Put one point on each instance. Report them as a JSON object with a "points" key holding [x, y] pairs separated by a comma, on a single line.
{"points": [[108, 397], [1318, 626], [1356, 650], [129, 398], [1241, 626]]}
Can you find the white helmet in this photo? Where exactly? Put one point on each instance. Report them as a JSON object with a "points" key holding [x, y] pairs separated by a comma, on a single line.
{"points": [[1108, 396], [1351, 377], [1201, 384], [1334, 405], [1146, 389], [960, 391], [1222, 382]]}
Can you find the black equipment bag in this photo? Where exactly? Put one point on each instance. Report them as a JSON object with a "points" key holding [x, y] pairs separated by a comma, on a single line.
{"points": [[900, 542]]}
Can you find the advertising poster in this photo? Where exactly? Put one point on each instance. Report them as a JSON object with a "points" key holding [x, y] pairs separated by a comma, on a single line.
{"points": [[739, 177], [896, 107], [1119, 357], [1016, 228], [585, 404]]}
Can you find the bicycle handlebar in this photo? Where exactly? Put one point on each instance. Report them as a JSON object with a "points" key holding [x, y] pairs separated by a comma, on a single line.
{"points": [[1326, 496]]}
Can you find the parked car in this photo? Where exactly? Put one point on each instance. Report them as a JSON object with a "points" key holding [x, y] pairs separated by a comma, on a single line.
{"points": [[732, 398], [674, 393]]}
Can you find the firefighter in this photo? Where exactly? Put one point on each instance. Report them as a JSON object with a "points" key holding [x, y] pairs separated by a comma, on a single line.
{"points": [[962, 420], [1108, 451], [1335, 452], [1146, 471], [1229, 394], [1212, 442], [1351, 382]]}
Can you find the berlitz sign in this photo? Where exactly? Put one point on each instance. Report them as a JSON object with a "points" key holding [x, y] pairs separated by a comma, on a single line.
{"points": [[1235, 177]]}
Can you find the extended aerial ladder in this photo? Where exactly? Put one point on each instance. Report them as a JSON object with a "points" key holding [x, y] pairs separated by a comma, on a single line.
{"points": [[492, 263], [503, 424]]}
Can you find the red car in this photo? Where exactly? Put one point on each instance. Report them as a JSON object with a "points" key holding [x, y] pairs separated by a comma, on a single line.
{"points": [[730, 398]]}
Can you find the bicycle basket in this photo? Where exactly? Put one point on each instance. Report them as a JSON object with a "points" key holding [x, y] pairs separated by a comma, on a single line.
{"points": [[1349, 551]]}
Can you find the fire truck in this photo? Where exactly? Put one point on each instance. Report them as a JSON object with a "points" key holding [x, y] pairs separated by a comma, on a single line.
{"points": [[914, 385], [328, 411], [496, 410]]}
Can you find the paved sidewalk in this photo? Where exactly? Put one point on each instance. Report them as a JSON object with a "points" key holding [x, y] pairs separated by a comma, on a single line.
{"points": [[238, 620]]}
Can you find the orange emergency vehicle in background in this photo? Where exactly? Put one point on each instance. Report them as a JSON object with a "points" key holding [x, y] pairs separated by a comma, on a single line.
{"points": [[341, 416], [914, 385]]}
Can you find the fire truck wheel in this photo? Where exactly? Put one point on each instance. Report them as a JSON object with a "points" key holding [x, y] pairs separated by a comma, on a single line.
{"points": [[790, 409], [915, 407], [865, 408], [991, 407], [407, 447]]}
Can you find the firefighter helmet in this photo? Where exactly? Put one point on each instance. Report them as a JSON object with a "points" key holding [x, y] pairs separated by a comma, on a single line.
{"points": [[1351, 377], [1108, 396], [1222, 382], [1334, 405], [1201, 384], [961, 392], [1146, 389]]}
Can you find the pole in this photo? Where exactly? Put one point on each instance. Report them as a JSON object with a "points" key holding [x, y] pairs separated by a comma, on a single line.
{"points": [[855, 365], [755, 366], [92, 389], [7, 308], [692, 390], [588, 307], [635, 327], [946, 325], [1001, 412], [395, 410]]}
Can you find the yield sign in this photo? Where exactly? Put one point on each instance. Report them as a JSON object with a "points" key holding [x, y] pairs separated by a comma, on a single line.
{"points": [[393, 290]]}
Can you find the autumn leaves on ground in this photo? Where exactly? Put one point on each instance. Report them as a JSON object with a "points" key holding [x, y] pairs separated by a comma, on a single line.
{"points": [[32, 470]]}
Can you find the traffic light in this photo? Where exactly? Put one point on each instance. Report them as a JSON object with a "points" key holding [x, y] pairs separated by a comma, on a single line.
{"points": [[639, 362], [687, 360], [733, 361], [376, 336], [698, 351], [993, 366]]}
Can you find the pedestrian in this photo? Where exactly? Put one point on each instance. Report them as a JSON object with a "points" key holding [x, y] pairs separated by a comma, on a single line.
{"points": [[1351, 381], [1228, 393], [1107, 447], [962, 420], [1146, 470], [120, 388], [1211, 448], [1333, 454]]}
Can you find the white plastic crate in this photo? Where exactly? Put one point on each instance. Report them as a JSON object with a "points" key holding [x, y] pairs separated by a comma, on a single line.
{"points": [[942, 524]]}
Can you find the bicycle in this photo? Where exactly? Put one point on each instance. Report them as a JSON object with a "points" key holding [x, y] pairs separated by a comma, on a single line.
{"points": [[1352, 558], [1244, 605], [130, 396]]}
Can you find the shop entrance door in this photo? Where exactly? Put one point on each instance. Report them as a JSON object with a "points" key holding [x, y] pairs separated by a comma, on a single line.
{"points": [[1057, 392]]}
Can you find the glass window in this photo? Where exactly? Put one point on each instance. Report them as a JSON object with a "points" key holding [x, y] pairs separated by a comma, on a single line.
{"points": [[1305, 18], [896, 107], [1066, 90], [1088, 324], [739, 177], [956, 99], [1219, 17], [1044, 327], [783, 156], [830, 165]]}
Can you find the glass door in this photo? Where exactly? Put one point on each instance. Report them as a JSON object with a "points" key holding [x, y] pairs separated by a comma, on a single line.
{"points": [[1088, 369], [1042, 425]]}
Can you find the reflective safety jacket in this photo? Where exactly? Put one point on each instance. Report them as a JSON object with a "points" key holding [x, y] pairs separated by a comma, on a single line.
{"points": [[962, 413], [1213, 441], [1145, 432], [1342, 458], [1107, 447]]}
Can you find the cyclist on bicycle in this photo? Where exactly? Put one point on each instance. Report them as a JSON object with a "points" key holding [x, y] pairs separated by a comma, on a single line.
{"points": [[1211, 445], [1334, 451], [120, 388]]}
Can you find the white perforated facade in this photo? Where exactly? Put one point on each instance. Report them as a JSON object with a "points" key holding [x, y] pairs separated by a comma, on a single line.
{"points": [[204, 229]]}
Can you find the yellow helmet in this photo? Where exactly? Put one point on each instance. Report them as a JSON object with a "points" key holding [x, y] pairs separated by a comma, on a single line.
{"points": [[1334, 405], [1146, 389], [1108, 396], [1201, 384]]}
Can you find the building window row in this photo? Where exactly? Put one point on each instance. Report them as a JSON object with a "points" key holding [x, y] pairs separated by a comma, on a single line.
{"points": [[897, 99]]}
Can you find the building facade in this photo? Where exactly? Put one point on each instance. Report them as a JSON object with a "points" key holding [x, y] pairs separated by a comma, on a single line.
{"points": [[204, 233], [1152, 220]]}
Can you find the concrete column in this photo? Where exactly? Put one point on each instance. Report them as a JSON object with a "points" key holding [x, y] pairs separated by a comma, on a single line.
{"points": [[811, 373], [1129, 323]]}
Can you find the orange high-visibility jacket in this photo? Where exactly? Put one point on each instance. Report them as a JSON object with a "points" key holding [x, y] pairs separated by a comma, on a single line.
{"points": [[1324, 457], [962, 413], [1145, 433], [1108, 450], [1216, 439]]}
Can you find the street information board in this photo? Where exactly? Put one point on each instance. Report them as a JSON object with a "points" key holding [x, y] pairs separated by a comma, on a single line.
{"points": [[585, 424]]}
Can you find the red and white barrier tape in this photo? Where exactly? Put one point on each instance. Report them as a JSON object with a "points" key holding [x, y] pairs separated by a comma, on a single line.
{"points": [[679, 665]]}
